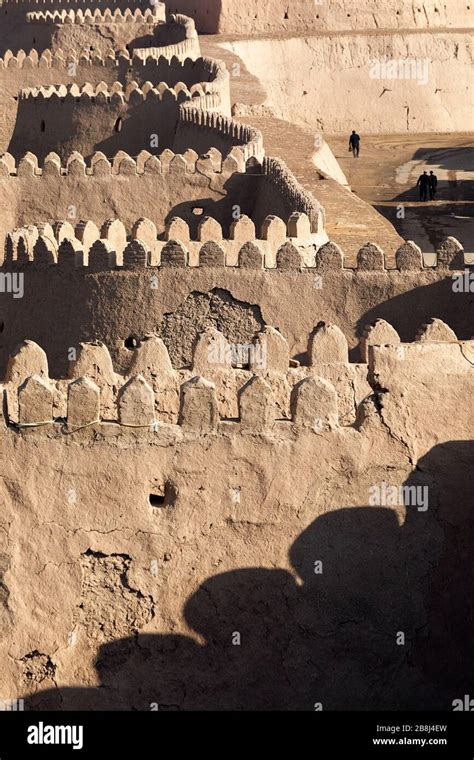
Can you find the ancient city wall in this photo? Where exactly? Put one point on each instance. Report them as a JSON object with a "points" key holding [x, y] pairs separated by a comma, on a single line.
{"points": [[97, 16], [253, 17], [72, 30], [311, 79], [160, 504], [203, 130], [113, 116], [96, 119], [24, 71], [158, 187], [243, 298]]}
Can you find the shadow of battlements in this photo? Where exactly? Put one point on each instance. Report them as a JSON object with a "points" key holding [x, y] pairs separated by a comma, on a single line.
{"points": [[380, 618]]}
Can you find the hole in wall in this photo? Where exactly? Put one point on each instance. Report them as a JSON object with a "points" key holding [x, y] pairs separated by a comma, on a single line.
{"points": [[162, 495], [131, 342], [2, 326], [43, 126], [118, 125], [157, 499], [197, 210]]}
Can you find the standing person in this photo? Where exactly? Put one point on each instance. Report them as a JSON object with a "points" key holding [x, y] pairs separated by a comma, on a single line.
{"points": [[354, 143], [424, 185], [433, 185]]}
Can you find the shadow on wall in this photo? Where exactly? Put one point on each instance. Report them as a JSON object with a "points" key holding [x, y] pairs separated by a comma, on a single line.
{"points": [[26, 36], [336, 639], [162, 35], [408, 311], [87, 125], [248, 194]]}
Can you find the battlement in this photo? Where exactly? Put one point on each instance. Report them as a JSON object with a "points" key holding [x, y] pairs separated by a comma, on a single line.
{"points": [[147, 30], [147, 66], [250, 388], [203, 130], [98, 16], [124, 4], [144, 163], [116, 93], [188, 47], [276, 244], [234, 193], [289, 247], [58, 59]]}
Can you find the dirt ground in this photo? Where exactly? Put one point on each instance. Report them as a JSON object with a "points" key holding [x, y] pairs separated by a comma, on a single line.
{"points": [[385, 176]]}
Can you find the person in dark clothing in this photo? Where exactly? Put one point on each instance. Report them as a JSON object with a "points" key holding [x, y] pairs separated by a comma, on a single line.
{"points": [[424, 185], [433, 185], [354, 143]]}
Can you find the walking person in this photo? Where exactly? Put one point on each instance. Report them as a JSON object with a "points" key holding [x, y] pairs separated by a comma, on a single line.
{"points": [[354, 143], [433, 185], [424, 185]]}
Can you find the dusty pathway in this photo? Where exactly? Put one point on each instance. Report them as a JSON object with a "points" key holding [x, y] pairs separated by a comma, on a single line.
{"points": [[385, 176], [350, 221], [381, 181]]}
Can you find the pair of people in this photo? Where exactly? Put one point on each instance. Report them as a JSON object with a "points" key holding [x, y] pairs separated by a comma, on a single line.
{"points": [[428, 184]]}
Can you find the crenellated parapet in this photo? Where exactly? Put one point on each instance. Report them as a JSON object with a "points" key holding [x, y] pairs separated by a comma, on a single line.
{"points": [[206, 130], [27, 5], [110, 245], [188, 47], [153, 15], [296, 197], [115, 93], [160, 183], [289, 246], [167, 162], [255, 385], [59, 59]]}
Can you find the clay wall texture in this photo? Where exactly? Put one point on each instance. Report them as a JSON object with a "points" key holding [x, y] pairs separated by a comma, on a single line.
{"points": [[45, 73], [226, 16], [311, 79], [177, 301], [199, 391], [127, 574], [211, 185]]}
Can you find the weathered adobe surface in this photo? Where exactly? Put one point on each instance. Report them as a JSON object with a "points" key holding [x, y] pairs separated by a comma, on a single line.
{"points": [[153, 595], [196, 74], [254, 16], [41, 26], [311, 80], [157, 188], [62, 307]]}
